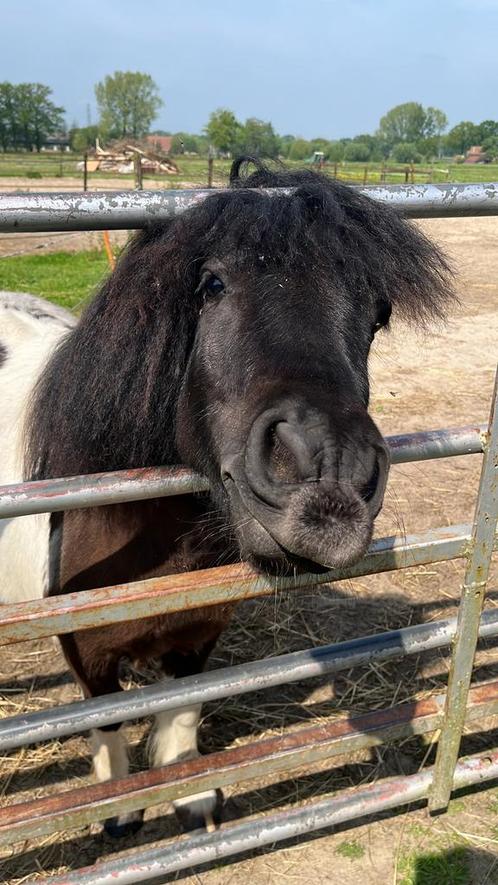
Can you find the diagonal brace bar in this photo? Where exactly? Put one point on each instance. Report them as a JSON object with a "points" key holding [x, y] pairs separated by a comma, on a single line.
{"points": [[471, 603]]}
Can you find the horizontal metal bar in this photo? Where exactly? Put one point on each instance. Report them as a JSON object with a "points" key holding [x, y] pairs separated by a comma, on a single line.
{"points": [[135, 209], [428, 445], [202, 847], [97, 489], [57, 722], [72, 493], [223, 585], [286, 752]]}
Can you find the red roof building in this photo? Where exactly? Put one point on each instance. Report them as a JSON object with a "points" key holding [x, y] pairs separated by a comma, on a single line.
{"points": [[160, 143], [475, 154]]}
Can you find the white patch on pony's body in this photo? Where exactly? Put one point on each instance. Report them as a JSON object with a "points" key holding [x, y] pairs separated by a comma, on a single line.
{"points": [[30, 329], [175, 739]]}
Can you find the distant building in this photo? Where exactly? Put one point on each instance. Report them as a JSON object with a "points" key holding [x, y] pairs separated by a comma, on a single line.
{"points": [[161, 143], [58, 142], [476, 154]]}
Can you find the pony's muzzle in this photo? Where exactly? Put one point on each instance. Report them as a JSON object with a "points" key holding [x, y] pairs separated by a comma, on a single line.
{"points": [[312, 492]]}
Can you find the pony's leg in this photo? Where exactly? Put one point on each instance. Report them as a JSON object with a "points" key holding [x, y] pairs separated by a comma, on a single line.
{"points": [[175, 739], [109, 745]]}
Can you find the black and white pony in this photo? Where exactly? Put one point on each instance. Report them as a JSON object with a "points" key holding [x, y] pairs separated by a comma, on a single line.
{"points": [[233, 339]]}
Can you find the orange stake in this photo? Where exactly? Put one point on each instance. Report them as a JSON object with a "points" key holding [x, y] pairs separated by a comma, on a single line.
{"points": [[107, 246]]}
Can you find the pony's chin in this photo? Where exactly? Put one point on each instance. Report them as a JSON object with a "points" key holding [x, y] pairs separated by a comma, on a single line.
{"points": [[264, 553]]}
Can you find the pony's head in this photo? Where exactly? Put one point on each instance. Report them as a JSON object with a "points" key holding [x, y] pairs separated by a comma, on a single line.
{"points": [[235, 338]]}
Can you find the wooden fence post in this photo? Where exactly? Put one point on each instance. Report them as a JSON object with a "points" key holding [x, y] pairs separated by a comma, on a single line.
{"points": [[137, 167], [210, 171], [85, 171]]}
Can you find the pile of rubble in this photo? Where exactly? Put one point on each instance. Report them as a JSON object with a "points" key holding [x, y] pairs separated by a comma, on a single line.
{"points": [[120, 159]]}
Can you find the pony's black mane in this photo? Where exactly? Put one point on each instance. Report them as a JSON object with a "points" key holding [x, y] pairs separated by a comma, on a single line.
{"points": [[107, 399]]}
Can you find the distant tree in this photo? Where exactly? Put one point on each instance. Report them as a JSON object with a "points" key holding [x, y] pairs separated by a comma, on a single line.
{"points": [[202, 142], [128, 102], [490, 145], [9, 121], [300, 149], [411, 122], [405, 122], [430, 148], [436, 122], [487, 129], [374, 145], [83, 137], [462, 137], [406, 152], [27, 115], [224, 130], [357, 152], [335, 151], [258, 139], [319, 144], [184, 143], [286, 142]]}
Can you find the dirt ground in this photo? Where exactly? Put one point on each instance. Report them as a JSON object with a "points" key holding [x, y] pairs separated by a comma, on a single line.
{"points": [[418, 382]]}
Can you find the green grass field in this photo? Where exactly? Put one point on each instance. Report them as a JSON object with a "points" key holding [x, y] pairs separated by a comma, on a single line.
{"points": [[193, 170], [66, 278]]}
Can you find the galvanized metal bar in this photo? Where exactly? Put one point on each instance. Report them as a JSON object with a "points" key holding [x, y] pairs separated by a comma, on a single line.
{"points": [[76, 492], [56, 615], [66, 719], [201, 847], [430, 445], [129, 209], [283, 753], [472, 600], [97, 489]]}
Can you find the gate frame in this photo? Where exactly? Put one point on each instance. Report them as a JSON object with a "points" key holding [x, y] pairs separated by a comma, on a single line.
{"points": [[41, 212]]}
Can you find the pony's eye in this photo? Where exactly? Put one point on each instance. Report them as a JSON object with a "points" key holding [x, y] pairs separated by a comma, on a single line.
{"points": [[383, 317], [213, 285]]}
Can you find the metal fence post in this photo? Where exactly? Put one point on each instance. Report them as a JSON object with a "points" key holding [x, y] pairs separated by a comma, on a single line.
{"points": [[469, 612]]}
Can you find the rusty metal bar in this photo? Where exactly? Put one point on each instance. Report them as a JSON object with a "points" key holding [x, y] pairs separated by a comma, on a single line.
{"points": [[471, 603], [129, 210], [284, 753], [56, 615], [66, 719], [202, 847], [76, 492], [97, 489]]}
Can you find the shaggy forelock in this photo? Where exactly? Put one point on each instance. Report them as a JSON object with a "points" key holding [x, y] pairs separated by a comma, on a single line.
{"points": [[108, 398]]}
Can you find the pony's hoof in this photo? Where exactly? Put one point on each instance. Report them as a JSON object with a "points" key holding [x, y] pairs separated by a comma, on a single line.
{"points": [[124, 825], [199, 812]]}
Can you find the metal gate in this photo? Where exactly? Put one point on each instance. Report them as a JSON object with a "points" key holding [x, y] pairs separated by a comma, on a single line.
{"points": [[76, 611]]}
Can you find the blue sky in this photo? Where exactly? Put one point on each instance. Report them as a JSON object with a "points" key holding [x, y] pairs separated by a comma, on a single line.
{"points": [[326, 68]]}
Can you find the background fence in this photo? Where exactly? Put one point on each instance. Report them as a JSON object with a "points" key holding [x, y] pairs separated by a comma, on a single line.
{"points": [[474, 542]]}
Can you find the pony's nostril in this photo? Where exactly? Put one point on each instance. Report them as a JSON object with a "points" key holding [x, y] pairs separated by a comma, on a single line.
{"points": [[282, 462], [369, 489]]}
